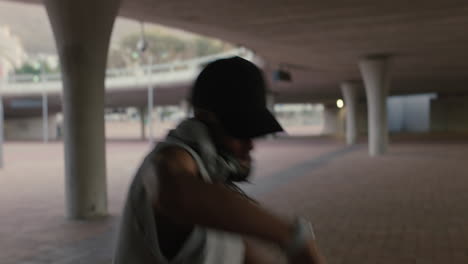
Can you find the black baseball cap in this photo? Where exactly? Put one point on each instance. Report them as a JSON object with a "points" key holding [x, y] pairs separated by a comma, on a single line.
{"points": [[235, 91]]}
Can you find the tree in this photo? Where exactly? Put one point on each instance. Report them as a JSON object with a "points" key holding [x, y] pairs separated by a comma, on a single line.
{"points": [[162, 47], [117, 59], [205, 46], [34, 68]]}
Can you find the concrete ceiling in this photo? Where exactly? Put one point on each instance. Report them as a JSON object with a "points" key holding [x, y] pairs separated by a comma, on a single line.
{"points": [[323, 40]]}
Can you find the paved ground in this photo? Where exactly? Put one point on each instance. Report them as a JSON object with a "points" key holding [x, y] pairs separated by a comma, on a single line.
{"points": [[409, 206]]}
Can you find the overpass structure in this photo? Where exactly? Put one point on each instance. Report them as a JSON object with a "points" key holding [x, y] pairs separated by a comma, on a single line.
{"points": [[361, 50], [23, 94]]}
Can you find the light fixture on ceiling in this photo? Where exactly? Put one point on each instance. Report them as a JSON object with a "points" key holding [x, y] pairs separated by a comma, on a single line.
{"points": [[339, 103]]}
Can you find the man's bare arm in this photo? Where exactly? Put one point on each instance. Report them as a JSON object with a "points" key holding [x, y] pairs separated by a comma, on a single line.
{"points": [[190, 201]]}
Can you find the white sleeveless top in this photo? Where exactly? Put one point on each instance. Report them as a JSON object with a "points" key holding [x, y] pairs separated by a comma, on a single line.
{"points": [[138, 241]]}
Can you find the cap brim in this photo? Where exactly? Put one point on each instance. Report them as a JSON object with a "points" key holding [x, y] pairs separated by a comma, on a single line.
{"points": [[250, 124]]}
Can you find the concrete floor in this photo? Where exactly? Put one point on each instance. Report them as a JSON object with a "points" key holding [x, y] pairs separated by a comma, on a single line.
{"points": [[409, 206]]}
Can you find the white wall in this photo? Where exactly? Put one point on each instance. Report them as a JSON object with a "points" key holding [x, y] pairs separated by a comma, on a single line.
{"points": [[409, 113], [334, 121], [449, 114], [29, 128]]}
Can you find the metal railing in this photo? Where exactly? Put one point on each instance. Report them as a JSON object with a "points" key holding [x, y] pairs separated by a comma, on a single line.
{"points": [[139, 71]]}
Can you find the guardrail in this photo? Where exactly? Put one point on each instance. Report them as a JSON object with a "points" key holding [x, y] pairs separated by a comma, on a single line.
{"points": [[144, 70]]}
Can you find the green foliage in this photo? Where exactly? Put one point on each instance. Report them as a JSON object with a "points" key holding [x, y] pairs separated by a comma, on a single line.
{"points": [[206, 46], [117, 59], [163, 47], [32, 68]]}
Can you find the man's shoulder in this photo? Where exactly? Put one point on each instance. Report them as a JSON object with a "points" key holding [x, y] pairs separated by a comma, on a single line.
{"points": [[173, 160], [161, 167]]}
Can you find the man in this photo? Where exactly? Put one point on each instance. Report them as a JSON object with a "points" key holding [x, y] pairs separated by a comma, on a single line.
{"points": [[183, 205]]}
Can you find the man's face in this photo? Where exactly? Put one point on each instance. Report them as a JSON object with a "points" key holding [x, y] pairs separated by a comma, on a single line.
{"points": [[240, 149]]}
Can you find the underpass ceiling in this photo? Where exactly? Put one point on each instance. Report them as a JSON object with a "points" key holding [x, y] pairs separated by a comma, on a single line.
{"points": [[325, 39]]}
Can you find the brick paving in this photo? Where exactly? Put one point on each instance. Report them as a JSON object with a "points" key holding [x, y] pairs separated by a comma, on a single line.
{"points": [[408, 206]]}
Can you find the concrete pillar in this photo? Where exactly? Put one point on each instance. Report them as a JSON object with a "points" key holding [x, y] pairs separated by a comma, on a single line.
{"points": [[375, 73], [141, 114], [82, 31], [349, 90]]}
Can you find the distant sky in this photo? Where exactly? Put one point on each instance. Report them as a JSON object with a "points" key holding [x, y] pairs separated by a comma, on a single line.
{"points": [[31, 25]]}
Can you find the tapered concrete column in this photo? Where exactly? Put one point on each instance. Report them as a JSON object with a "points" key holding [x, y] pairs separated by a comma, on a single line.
{"points": [[349, 90], [375, 73], [82, 31]]}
